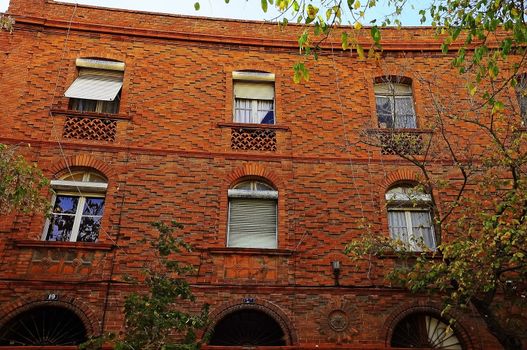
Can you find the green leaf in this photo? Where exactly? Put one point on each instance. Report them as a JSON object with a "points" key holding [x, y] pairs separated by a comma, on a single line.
{"points": [[376, 34], [264, 5], [344, 40], [196, 6], [360, 52]]}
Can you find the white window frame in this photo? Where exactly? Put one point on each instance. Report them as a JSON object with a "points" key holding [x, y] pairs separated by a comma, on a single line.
{"points": [[81, 189], [408, 201], [393, 91], [253, 78], [256, 194], [414, 241]]}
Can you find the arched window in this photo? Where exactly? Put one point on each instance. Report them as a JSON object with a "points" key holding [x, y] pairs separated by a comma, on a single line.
{"points": [[409, 217], [44, 326], [248, 327], [252, 216], [395, 105], [420, 330], [77, 207]]}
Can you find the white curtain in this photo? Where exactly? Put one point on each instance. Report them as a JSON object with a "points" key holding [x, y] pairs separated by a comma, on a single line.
{"points": [[422, 228], [397, 225]]}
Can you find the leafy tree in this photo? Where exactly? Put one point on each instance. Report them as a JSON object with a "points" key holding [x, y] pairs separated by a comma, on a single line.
{"points": [[21, 183], [6, 22], [154, 318], [481, 261]]}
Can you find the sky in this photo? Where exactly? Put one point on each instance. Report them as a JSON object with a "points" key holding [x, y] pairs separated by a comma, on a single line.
{"points": [[239, 9]]}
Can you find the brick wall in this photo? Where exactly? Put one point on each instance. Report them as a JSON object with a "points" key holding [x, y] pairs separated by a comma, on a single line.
{"points": [[172, 158]]}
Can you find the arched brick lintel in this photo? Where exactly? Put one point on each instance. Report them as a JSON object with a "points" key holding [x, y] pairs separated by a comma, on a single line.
{"points": [[398, 176], [431, 308], [254, 170], [261, 305], [82, 160], [73, 304]]}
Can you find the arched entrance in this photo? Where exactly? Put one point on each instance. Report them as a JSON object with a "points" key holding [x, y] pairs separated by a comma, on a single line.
{"points": [[248, 327], [423, 330], [44, 325]]}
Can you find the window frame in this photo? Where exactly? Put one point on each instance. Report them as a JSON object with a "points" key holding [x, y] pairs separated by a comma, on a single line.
{"points": [[82, 190], [254, 78], [97, 69], [521, 96], [270, 194], [408, 203], [394, 91]]}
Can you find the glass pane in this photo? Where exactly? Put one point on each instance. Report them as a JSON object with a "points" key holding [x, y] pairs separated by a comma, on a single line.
{"points": [[93, 206], [111, 106], [404, 113], [65, 204], [384, 111], [60, 227], [265, 112], [96, 178], [74, 177], [89, 229], [83, 105], [422, 229], [242, 110], [260, 186], [397, 225], [244, 185]]}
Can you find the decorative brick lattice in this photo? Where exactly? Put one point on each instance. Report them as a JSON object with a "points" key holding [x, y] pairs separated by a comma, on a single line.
{"points": [[253, 139], [96, 129], [401, 143]]}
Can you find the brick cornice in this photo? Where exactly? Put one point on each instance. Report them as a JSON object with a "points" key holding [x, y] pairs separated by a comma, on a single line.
{"points": [[391, 44]]}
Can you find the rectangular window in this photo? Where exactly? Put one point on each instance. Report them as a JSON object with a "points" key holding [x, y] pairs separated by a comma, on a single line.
{"points": [[521, 94], [412, 227], [395, 106], [97, 87], [252, 223], [253, 98], [252, 216]]}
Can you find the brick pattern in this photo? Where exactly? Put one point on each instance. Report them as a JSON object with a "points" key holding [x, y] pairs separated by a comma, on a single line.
{"points": [[171, 159], [93, 129], [253, 139]]}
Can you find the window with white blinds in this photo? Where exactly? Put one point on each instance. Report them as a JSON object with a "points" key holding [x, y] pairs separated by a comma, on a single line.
{"points": [[252, 216], [395, 105], [409, 218], [97, 87], [253, 97]]}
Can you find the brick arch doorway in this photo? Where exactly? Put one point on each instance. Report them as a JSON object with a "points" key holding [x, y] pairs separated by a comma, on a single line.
{"points": [[44, 324], [242, 326]]}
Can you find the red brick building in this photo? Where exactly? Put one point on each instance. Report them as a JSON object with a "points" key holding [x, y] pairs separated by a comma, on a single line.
{"points": [[141, 117]]}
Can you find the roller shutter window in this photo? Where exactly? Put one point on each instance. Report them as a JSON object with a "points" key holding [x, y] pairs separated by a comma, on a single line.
{"points": [[252, 216]]}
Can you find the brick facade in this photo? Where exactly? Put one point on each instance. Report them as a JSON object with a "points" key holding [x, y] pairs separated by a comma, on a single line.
{"points": [[170, 156]]}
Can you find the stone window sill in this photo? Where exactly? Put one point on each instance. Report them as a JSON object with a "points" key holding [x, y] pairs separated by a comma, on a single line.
{"points": [[55, 112], [253, 126], [248, 251], [27, 243]]}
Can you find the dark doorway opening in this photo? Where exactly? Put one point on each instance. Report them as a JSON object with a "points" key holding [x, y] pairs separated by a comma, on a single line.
{"points": [[44, 325], [248, 328]]}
